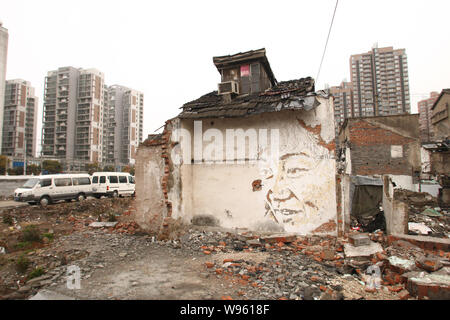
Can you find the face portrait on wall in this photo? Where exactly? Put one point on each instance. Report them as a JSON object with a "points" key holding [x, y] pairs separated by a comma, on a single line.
{"points": [[292, 187]]}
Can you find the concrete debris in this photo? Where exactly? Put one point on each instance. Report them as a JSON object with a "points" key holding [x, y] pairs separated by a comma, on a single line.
{"points": [[351, 251], [276, 238], [401, 265], [433, 286], [2, 250], [359, 239], [419, 228], [429, 264], [103, 224]]}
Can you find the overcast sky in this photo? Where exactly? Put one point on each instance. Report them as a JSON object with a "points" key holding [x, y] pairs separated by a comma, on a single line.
{"points": [[165, 48]]}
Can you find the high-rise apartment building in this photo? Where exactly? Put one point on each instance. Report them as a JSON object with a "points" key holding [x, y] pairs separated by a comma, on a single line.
{"points": [[380, 82], [123, 125], [379, 86], [3, 56], [73, 115], [425, 113], [343, 103], [19, 119], [85, 121]]}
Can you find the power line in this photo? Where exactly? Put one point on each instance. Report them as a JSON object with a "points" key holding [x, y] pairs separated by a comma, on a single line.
{"points": [[326, 43]]}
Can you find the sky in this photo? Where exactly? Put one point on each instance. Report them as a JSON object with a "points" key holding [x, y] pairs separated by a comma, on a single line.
{"points": [[165, 48]]}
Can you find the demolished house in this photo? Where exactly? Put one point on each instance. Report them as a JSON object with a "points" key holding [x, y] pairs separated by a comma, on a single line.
{"points": [[256, 154], [438, 150], [381, 163], [368, 149]]}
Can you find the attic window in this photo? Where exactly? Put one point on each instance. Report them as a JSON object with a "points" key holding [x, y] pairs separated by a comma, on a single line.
{"points": [[245, 70]]}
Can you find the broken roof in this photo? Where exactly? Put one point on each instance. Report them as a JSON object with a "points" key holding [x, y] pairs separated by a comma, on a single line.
{"points": [[225, 62], [287, 95]]}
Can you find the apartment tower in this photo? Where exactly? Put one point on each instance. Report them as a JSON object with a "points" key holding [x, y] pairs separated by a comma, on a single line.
{"points": [[380, 82], [425, 113], [19, 119], [73, 116], [343, 103], [123, 125], [3, 56]]}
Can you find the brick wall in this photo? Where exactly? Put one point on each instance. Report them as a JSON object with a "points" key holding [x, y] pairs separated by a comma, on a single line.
{"points": [[371, 150]]}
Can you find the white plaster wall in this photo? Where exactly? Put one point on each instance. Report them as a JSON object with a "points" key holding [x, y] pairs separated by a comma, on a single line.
{"points": [[403, 182], [150, 207], [298, 192], [425, 160]]}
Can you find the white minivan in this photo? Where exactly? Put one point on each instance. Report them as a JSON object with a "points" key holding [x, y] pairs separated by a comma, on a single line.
{"points": [[112, 184], [46, 189]]}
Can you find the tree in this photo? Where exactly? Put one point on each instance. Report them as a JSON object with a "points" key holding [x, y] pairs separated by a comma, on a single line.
{"points": [[92, 167], [16, 171], [4, 162], [52, 166], [33, 169], [109, 168], [129, 169]]}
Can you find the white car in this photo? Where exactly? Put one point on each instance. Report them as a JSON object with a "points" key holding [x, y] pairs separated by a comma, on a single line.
{"points": [[49, 188], [112, 184]]}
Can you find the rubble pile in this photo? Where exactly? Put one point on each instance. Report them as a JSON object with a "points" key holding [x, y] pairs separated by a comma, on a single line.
{"points": [[322, 267], [257, 265], [425, 216]]}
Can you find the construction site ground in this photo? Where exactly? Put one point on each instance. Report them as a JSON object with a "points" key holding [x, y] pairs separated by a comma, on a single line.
{"points": [[199, 263]]}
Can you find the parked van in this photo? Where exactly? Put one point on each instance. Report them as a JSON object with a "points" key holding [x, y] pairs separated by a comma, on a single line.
{"points": [[112, 184], [49, 188]]}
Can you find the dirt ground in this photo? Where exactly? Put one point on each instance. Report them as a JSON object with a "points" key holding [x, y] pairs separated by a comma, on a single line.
{"points": [[118, 263]]}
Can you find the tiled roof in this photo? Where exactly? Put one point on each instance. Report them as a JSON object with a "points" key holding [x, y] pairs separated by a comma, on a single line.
{"points": [[285, 95]]}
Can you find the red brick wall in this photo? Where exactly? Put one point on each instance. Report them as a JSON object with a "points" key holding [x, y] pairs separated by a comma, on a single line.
{"points": [[371, 150]]}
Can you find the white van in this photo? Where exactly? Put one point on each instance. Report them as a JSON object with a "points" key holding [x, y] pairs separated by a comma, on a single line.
{"points": [[112, 184], [49, 188]]}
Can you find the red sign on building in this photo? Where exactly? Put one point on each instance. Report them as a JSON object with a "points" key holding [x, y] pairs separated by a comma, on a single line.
{"points": [[245, 71]]}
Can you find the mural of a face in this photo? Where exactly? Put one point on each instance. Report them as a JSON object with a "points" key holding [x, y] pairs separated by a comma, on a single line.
{"points": [[287, 200]]}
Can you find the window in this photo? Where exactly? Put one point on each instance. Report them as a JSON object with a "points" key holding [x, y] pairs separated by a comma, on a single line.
{"points": [[123, 179], [46, 182], [102, 179], [95, 179], [63, 182], [131, 179], [113, 179], [81, 181]]}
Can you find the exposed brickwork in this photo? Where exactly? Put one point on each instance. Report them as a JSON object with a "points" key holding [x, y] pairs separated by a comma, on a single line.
{"points": [[371, 150], [316, 131], [166, 136], [339, 207], [326, 227]]}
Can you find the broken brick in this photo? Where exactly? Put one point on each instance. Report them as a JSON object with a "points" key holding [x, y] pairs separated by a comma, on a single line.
{"points": [[209, 264], [403, 295], [395, 289], [429, 264]]}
